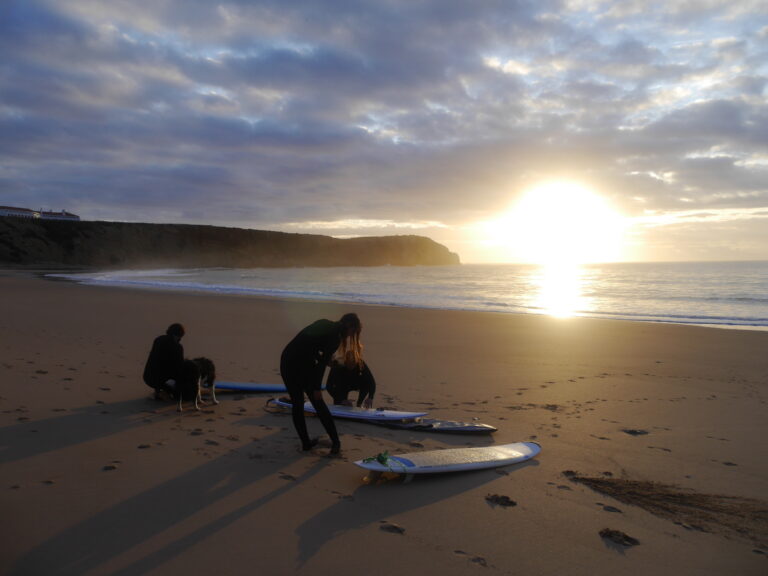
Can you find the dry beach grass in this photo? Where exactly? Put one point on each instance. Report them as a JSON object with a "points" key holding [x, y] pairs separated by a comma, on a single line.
{"points": [[99, 479]]}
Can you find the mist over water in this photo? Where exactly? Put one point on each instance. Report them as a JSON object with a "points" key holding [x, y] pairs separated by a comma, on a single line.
{"points": [[723, 294]]}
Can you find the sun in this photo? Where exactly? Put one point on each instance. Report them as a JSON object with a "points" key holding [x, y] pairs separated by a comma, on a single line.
{"points": [[561, 224]]}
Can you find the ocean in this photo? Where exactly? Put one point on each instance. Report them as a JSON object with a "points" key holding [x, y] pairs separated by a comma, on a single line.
{"points": [[720, 294]]}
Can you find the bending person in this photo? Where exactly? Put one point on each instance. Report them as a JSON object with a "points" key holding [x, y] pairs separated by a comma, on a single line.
{"points": [[302, 366], [350, 372]]}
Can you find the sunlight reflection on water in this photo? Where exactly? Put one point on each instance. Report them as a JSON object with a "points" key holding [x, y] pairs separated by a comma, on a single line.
{"points": [[561, 290], [724, 294]]}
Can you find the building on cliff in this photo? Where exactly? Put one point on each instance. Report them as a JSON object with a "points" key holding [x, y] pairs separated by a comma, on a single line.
{"points": [[42, 214]]}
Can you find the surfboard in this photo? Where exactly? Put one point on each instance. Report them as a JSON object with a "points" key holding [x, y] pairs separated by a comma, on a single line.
{"points": [[452, 459], [355, 413], [249, 387], [420, 423], [437, 425]]}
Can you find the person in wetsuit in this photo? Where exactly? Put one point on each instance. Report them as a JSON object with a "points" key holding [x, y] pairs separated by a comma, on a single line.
{"points": [[165, 362], [350, 372], [302, 366]]}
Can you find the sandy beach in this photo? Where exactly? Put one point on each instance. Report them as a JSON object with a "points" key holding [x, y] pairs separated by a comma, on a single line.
{"points": [[654, 432]]}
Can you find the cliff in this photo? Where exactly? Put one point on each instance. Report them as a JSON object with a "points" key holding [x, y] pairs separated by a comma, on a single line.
{"points": [[49, 243]]}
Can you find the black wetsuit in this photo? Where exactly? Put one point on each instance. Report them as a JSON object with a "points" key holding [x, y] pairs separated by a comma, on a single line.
{"points": [[165, 362], [341, 380], [302, 365]]}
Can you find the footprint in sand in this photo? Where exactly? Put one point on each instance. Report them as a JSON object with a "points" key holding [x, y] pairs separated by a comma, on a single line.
{"points": [[476, 559], [391, 527], [691, 527], [500, 500], [716, 438], [618, 537]]}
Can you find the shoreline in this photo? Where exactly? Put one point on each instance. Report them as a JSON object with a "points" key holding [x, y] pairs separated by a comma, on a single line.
{"points": [[252, 293], [85, 449]]}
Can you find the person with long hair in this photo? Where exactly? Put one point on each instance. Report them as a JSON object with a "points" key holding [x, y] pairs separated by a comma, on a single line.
{"points": [[350, 372], [302, 367]]}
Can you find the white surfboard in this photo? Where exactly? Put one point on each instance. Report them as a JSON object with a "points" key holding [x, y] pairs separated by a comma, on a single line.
{"points": [[355, 413], [452, 459], [437, 425]]}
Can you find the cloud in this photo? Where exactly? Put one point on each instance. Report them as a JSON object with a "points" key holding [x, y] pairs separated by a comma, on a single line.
{"points": [[282, 115]]}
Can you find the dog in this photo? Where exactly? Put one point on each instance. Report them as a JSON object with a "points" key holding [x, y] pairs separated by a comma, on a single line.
{"points": [[196, 375]]}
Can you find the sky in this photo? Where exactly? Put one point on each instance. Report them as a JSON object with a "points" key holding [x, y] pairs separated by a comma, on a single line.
{"points": [[365, 118]]}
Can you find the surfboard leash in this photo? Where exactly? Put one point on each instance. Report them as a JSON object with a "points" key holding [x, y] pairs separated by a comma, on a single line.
{"points": [[271, 406], [385, 459]]}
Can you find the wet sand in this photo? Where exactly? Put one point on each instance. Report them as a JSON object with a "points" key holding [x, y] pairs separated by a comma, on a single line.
{"points": [[99, 478]]}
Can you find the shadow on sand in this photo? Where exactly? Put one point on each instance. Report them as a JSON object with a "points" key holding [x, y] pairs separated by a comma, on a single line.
{"points": [[79, 425], [375, 503], [143, 517]]}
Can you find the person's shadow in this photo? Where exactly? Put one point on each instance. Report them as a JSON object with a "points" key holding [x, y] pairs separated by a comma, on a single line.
{"points": [[77, 426], [139, 519]]}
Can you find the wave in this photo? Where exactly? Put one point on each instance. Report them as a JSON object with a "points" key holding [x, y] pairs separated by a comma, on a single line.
{"points": [[633, 296]]}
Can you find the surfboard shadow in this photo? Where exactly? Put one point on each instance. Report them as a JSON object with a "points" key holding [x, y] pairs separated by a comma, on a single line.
{"points": [[373, 504]]}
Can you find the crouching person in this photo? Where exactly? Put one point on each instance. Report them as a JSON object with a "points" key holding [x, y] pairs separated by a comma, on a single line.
{"points": [[165, 364]]}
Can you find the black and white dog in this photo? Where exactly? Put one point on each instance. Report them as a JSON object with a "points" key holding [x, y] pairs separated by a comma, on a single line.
{"points": [[196, 375]]}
